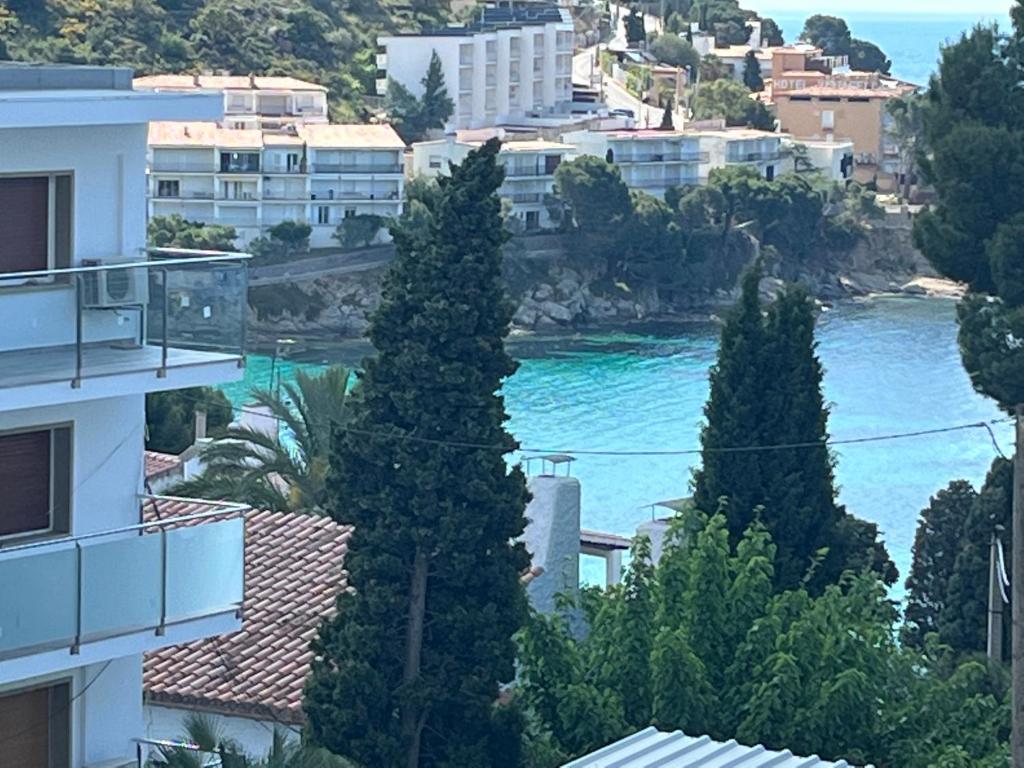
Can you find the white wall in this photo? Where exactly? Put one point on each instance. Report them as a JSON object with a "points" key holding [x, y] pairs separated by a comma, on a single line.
{"points": [[253, 735], [552, 537]]}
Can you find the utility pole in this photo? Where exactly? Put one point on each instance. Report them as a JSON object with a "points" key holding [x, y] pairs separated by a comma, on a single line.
{"points": [[995, 603], [1017, 590]]}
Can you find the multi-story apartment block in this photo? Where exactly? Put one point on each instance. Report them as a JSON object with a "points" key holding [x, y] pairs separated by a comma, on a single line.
{"points": [[252, 180], [92, 572], [253, 101], [648, 159], [762, 150], [511, 65], [529, 172]]}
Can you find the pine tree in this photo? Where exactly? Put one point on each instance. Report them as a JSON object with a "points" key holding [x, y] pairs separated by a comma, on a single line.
{"points": [[437, 104], [666, 116], [408, 671]]}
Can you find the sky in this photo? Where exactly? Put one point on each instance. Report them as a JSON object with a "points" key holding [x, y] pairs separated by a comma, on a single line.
{"points": [[945, 7]]}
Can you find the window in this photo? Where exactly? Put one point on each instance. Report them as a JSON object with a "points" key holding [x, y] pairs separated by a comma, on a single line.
{"points": [[292, 162], [35, 727], [35, 481], [551, 162], [239, 162], [435, 161], [828, 119], [323, 214], [769, 173], [350, 213], [35, 218], [168, 188]]}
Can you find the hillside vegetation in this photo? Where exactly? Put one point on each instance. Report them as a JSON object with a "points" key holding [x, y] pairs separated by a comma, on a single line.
{"points": [[328, 41]]}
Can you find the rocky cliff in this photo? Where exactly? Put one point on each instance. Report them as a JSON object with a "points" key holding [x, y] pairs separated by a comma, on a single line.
{"points": [[555, 290]]}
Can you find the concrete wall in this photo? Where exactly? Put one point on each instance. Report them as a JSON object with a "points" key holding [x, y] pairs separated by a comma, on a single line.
{"points": [[858, 121]]}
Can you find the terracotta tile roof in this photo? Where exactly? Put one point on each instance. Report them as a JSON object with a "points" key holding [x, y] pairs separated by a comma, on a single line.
{"points": [[225, 82], [293, 573], [351, 136], [160, 464]]}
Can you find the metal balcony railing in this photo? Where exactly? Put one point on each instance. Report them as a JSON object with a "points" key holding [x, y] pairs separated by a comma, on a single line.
{"points": [[82, 589], [356, 168], [663, 157], [754, 157], [184, 166], [177, 308]]}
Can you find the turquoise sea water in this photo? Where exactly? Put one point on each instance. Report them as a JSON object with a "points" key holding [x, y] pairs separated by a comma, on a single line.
{"points": [[891, 366], [912, 41]]}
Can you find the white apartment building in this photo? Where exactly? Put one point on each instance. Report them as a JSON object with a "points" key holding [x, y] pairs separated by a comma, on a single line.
{"points": [[648, 159], [511, 66], [762, 150], [92, 572], [253, 101], [252, 180], [529, 172]]}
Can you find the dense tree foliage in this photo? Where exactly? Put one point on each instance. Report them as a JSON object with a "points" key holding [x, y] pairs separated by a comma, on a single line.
{"points": [[329, 41], [675, 51], [972, 126], [170, 417], [175, 231], [766, 391], [412, 116], [752, 72], [948, 586], [833, 36], [408, 670], [251, 464], [703, 643], [725, 98]]}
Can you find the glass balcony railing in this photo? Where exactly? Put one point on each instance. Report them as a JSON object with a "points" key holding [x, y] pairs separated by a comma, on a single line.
{"points": [[357, 168], [178, 308], [754, 157], [78, 590]]}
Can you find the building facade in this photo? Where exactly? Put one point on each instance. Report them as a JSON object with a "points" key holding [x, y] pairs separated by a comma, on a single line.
{"points": [[512, 64], [94, 573], [648, 159], [530, 167], [253, 180], [762, 150], [253, 102]]}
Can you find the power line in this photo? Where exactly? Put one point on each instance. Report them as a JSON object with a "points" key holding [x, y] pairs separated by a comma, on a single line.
{"points": [[469, 445]]}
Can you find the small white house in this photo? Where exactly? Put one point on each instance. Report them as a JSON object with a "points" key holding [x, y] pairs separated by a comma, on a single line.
{"points": [[833, 159]]}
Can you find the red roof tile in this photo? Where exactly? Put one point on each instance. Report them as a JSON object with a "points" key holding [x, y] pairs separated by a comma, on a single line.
{"points": [[160, 464], [293, 573]]}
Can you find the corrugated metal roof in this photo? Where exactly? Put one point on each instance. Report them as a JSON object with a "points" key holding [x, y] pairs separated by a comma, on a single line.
{"points": [[651, 748]]}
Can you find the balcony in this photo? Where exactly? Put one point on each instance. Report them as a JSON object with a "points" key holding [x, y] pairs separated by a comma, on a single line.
{"points": [[664, 157], [174, 320], [526, 197], [754, 157], [356, 168], [82, 591], [183, 166]]}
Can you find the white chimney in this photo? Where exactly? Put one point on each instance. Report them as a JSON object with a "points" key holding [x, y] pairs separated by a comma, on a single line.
{"points": [[552, 537]]}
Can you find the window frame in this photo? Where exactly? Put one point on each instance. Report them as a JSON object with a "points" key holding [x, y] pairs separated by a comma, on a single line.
{"points": [[53, 257], [60, 519]]}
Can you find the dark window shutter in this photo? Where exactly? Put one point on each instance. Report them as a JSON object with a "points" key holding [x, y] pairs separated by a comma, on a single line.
{"points": [[24, 223], [25, 482], [25, 728]]}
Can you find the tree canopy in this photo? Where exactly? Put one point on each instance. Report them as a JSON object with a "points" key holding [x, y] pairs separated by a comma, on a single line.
{"points": [[972, 122], [702, 643], [832, 35], [413, 117], [170, 417], [728, 99], [675, 51], [175, 231]]}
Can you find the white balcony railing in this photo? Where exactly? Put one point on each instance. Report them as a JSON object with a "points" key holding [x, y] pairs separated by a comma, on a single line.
{"points": [[83, 589], [179, 308]]}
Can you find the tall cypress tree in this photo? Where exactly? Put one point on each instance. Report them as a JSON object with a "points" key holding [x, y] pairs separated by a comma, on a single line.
{"points": [[408, 671], [766, 392]]}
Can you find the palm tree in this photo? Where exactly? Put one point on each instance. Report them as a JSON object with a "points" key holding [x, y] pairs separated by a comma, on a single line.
{"points": [[208, 747], [252, 467]]}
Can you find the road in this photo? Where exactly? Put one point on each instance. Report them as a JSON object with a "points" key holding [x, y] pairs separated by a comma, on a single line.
{"points": [[615, 95]]}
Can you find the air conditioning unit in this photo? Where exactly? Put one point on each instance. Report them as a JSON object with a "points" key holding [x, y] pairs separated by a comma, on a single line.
{"points": [[110, 288]]}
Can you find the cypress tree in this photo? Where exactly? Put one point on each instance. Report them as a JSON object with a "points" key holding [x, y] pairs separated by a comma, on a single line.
{"points": [[766, 392], [408, 671]]}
